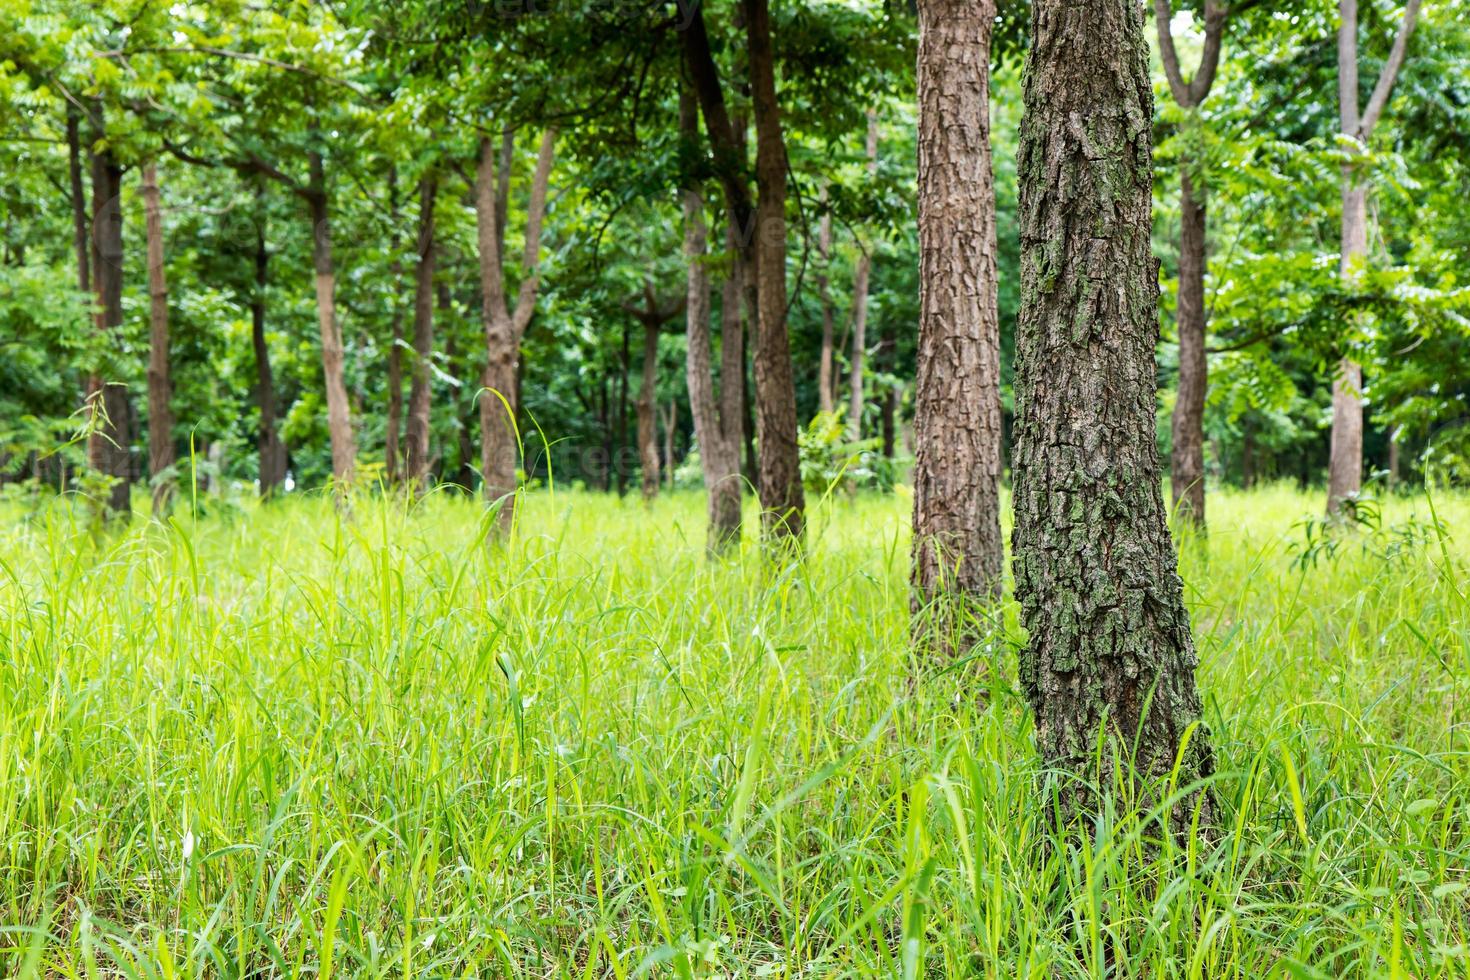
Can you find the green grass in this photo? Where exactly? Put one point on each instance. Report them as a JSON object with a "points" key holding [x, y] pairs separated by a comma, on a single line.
{"points": [[283, 744]]}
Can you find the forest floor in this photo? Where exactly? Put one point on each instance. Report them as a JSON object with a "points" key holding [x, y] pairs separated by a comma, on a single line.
{"points": [[273, 743]]}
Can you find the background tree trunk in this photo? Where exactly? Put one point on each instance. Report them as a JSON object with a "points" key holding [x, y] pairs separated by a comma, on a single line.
{"points": [[108, 445], [671, 423], [865, 267], [717, 427], [78, 198], [826, 373], [957, 550], [1187, 455], [272, 450], [339, 413], [1110, 655], [1345, 465], [783, 500], [160, 388], [423, 340], [503, 326], [393, 449], [647, 408]]}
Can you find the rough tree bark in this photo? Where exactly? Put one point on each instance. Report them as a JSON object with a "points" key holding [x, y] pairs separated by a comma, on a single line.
{"points": [[423, 340], [1187, 455], [272, 449], [339, 412], [503, 326], [864, 271], [109, 442], [957, 550], [1345, 467], [160, 387], [1110, 658]]}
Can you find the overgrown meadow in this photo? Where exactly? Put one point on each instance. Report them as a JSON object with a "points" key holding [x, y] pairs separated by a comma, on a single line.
{"points": [[286, 743]]}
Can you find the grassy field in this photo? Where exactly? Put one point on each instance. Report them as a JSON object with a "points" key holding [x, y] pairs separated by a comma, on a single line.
{"points": [[281, 744]]}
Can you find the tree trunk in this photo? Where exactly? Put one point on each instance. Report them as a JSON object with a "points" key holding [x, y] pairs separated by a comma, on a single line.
{"points": [[887, 356], [1187, 456], [272, 450], [503, 326], [393, 448], [1247, 453], [78, 198], [339, 413], [423, 341], [717, 427], [160, 388], [957, 550], [826, 375], [865, 258], [1345, 464], [646, 408], [783, 501], [671, 424], [1110, 657], [108, 445]]}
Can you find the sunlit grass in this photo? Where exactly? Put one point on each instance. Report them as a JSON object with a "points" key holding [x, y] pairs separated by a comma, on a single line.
{"points": [[284, 743]]}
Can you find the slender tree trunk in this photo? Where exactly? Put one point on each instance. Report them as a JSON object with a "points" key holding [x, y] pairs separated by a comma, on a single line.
{"points": [[783, 500], [1345, 465], [393, 449], [1247, 453], [957, 551], [717, 427], [78, 198], [887, 356], [160, 387], [503, 326], [1393, 457], [1187, 457], [646, 408], [108, 445], [272, 450], [671, 423], [864, 268], [620, 436], [423, 341], [339, 412], [1110, 658], [826, 374]]}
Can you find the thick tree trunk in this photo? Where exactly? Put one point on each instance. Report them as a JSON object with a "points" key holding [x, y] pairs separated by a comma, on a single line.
{"points": [[160, 387], [272, 450], [646, 408], [826, 374], [108, 445], [339, 412], [1345, 464], [783, 500], [1187, 457], [503, 326], [423, 341], [864, 268], [1110, 657], [393, 448], [957, 550]]}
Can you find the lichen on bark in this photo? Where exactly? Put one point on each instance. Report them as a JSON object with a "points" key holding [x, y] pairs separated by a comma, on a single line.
{"points": [[1109, 657]]}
